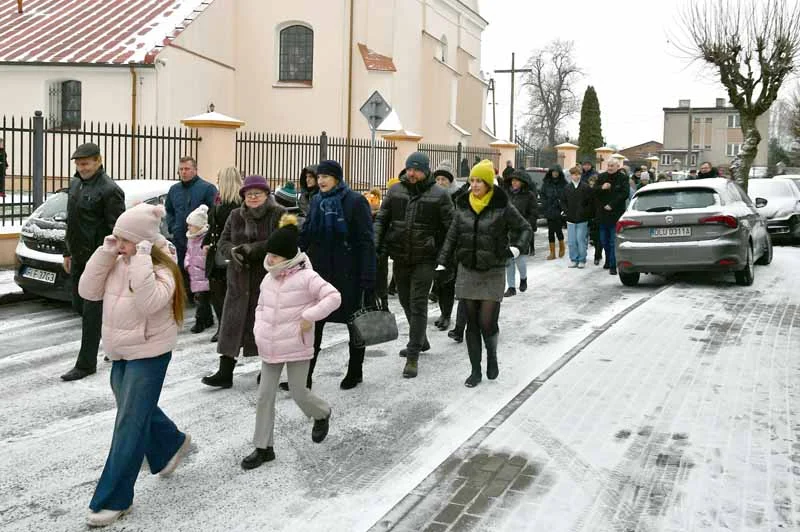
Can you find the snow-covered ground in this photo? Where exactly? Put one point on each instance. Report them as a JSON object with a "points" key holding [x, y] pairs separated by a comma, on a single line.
{"points": [[386, 436], [7, 284]]}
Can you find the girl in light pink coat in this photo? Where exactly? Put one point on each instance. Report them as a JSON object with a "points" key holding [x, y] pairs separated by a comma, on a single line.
{"points": [[293, 297], [195, 263]]}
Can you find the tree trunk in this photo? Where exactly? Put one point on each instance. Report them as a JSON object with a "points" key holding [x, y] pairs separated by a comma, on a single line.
{"points": [[744, 161]]}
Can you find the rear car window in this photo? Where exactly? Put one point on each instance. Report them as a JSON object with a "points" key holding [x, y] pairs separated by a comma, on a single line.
{"points": [[671, 200], [770, 188], [54, 208]]}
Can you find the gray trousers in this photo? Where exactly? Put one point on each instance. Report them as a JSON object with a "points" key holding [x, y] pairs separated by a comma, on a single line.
{"points": [[413, 286], [311, 405]]}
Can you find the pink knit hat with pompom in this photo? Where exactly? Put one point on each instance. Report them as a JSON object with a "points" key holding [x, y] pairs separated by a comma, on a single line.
{"points": [[140, 222]]}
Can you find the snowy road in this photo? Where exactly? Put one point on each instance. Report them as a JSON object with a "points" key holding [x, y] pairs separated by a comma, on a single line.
{"points": [[390, 434]]}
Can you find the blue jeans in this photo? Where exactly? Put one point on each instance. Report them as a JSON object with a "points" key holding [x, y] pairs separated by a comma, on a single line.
{"points": [[608, 239], [511, 268], [577, 240], [141, 429]]}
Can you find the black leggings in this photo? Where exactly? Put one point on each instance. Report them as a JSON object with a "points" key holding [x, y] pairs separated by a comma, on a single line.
{"points": [[554, 231], [482, 316]]}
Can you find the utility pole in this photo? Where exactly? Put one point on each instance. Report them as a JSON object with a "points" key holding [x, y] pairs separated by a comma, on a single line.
{"points": [[513, 71], [494, 107], [689, 136]]}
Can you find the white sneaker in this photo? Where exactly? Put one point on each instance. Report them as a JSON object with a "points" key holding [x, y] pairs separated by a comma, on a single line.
{"points": [[573, 265], [581, 265], [104, 517], [176, 459]]}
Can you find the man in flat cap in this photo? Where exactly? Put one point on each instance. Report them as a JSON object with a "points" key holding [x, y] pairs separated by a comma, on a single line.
{"points": [[93, 206]]}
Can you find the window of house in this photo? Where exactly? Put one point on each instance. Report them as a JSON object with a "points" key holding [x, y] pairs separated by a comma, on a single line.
{"points": [[666, 158], [709, 120], [707, 147], [296, 54], [443, 48], [65, 103], [734, 150], [734, 121]]}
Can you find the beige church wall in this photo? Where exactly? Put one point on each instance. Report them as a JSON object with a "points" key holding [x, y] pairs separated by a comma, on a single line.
{"points": [[436, 104], [212, 33], [442, 20]]}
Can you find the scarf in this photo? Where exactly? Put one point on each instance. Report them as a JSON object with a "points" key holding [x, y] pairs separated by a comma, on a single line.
{"points": [[478, 204], [327, 215], [287, 267]]}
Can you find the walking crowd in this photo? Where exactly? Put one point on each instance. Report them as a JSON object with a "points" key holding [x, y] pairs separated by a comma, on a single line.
{"points": [[274, 279]]}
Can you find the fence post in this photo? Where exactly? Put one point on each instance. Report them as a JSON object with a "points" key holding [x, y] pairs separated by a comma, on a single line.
{"points": [[323, 146], [406, 143], [459, 157], [38, 159], [217, 142]]}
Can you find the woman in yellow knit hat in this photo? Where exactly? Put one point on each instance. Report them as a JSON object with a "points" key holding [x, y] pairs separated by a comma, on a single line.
{"points": [[478, 240]]}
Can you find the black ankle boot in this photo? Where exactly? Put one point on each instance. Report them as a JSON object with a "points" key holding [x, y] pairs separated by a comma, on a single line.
{"points": [[258, 457], [474, 352], [492, 371], [320, 429], [523, 285], [223, 378], [355, 367]]}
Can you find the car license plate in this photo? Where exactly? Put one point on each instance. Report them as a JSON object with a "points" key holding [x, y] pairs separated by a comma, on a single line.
{"points": [[39, 275], [666, 232]]}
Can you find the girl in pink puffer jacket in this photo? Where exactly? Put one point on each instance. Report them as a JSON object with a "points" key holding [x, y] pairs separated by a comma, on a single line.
{"points": [[293, 296], [195, 264]]}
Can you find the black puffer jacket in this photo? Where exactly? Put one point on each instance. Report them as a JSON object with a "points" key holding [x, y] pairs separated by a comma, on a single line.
{"points": [[525, 201], [216, 223], [481, 241], [93, 207], [578, 204], [306, 194], [413, 220], [615, 197], [552, 193]]}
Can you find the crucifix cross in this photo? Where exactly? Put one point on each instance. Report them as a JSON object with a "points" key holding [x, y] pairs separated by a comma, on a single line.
{"points": [[513, 71]]}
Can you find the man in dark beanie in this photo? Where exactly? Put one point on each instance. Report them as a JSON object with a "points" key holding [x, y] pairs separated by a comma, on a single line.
{"points": [[410, 227]]}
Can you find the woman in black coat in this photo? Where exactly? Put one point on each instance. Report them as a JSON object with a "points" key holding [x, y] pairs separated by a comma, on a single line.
{"points": [[552, 193], [230, 181], [521, 192], [338, 238], [308, 188], [479, 241], [243, 242]]}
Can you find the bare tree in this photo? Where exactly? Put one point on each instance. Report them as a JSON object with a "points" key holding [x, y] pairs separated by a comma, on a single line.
{"points": [[754, 46], [550, 88]]}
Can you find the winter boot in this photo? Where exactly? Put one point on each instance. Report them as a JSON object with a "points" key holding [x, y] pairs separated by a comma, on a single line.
{"points": [[320, 430], [258, 457], [425, 347], [561, 248], [474, 352], [523, 285], [491, 356], [598, 254], [223, 378], [552, 255], [355, 366], [456, 335], [444, 324], [510, 292], [410, 369]]}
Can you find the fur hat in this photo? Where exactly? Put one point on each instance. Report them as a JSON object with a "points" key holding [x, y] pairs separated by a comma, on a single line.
{"points": [[419, 161], [331, 168], [254, 181], [485, 171], [198, 217], [283, 241], [445, 168], [140, 222]]}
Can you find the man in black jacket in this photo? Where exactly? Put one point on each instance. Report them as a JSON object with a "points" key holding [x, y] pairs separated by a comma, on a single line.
{"points": [[411, 226], [610, 196], [94, 203]]}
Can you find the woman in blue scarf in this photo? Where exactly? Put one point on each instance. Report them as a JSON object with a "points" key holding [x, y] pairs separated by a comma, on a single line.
{"points": [[338, 238]]}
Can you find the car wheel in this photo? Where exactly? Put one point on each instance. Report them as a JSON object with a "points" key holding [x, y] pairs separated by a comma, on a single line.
{"points": [[745, 276], [629, 279], [766, 258]]}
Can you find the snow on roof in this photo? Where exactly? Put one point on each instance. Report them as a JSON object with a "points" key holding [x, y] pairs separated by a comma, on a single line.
{"points": [[92, 31]]}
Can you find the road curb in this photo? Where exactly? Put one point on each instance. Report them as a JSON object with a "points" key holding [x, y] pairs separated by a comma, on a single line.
{"points": [[408, 503]]}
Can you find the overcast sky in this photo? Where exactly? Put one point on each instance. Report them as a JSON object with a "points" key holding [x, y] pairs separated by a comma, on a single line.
{"points": [[621, 45]]}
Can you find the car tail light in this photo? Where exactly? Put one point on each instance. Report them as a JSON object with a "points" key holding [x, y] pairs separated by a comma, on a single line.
{"points": [[727, 262], [730, 221], [625, 224], [625, 264]]}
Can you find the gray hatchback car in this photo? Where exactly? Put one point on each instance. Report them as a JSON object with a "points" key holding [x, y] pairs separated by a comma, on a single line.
{"points": [[701, 225]]}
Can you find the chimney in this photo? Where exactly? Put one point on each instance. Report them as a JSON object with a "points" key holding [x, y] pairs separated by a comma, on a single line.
{"points": [[720, 102], [684, 104], [19, 7]]}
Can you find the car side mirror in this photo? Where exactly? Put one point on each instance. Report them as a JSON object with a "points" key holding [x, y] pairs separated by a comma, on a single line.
{"points": [[761, 202]]}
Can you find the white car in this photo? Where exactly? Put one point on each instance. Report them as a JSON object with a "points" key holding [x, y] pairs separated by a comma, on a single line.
{"points": [[41, 243], [778, 201]]}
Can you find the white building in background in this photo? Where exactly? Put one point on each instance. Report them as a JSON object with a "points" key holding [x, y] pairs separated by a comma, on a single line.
{"points": [[297, 67]]}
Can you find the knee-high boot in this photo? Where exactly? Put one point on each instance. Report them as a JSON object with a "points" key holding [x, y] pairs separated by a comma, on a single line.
{"points": [[491, 356], [473, 338], [354, 369]]}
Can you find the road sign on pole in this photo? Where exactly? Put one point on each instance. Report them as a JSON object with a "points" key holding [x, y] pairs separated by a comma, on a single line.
{"points": [[375, 110]]}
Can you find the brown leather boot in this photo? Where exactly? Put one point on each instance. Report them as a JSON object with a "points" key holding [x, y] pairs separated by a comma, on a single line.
{"points": [[561, 248], [552, 254]]}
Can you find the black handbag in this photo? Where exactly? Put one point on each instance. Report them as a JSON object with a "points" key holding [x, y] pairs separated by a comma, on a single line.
{"points": [[372, 326]]}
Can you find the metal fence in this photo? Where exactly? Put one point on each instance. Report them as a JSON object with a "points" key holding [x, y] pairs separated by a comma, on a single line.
{"points": [[528, 156], [280, 157], [462, 157], [39, 154]]}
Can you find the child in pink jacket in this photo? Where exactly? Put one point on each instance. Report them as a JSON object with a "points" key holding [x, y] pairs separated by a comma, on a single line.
{"points": [[136, 276], [195, 263], [293, 297]]}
